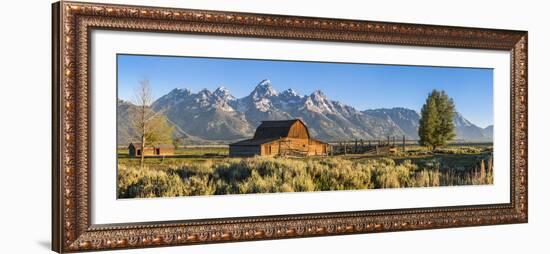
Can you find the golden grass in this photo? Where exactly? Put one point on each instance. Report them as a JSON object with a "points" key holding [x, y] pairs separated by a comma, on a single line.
{"points": [[172, 178]]}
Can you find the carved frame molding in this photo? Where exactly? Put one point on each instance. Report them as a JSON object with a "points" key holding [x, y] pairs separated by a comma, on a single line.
{"points": [[71, 226]]}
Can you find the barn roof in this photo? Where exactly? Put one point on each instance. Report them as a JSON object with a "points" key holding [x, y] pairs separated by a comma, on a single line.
{"points": [[256, 142], [275, 129], [253, 142], [316, 140]]}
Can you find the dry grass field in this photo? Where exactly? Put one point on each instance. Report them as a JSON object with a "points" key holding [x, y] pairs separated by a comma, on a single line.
{"points": [[209, 171]]}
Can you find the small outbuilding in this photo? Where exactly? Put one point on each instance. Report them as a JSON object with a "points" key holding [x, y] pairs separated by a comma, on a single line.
{"points": [[280, 138], [134, 150]]}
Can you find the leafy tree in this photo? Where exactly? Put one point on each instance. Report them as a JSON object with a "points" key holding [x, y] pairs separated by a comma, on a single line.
{"points": [[152, 127], [436, 120]]}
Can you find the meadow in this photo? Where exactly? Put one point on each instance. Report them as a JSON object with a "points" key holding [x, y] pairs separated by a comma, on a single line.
{"points": [[209, 171]]}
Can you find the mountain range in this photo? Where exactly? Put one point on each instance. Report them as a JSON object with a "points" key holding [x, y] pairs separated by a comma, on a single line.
{"points": [[217, 116]]}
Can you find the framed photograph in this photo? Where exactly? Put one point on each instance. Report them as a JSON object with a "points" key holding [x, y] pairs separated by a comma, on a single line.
{"points": [[177, 126]]}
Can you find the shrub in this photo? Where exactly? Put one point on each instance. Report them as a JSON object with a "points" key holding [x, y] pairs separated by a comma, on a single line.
{"points": [[460, 150], [389, 175], [269, 175], [147, 183]]}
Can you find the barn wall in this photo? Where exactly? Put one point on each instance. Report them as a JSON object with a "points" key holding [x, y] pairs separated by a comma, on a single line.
{"points": [[166, 151], [270, 149], [318, 148], [292, 146], [148, 151], [284, 146], [301, 145]]}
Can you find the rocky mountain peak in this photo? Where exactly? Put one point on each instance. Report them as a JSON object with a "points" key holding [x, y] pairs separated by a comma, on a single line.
{"points": [[223, 93], [263, 89], [289, 93], [460, 121], [318, 102], [318, 95], [178, 92], [204, 94], [175, 96]]}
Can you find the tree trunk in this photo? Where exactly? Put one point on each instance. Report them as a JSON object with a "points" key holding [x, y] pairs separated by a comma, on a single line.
{"points": [[142, 150]]}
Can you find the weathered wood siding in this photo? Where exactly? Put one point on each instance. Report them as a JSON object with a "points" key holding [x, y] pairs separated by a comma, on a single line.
{"points": [[150, 151], [318, 148], [294, 146], [270, 149], [298, 130], [166, 151]]}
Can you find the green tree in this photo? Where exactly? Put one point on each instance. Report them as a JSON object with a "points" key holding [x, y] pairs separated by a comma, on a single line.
{"points": [[152, 127], [436, 120]]}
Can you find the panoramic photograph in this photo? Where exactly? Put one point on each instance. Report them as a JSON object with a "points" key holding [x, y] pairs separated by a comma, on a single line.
{"points": [[194, 126]]}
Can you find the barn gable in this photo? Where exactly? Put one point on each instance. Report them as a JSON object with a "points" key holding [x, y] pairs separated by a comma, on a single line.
{"points": [[280, 129], [288, 137]]}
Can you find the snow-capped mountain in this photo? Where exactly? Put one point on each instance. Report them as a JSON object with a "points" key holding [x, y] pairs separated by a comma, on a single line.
{"points": [[223, 93], [219, 116], [204, 115], [261, 104]]}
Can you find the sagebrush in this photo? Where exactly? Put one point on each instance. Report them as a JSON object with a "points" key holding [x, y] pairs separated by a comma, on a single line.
{"points": [[271, 175]]}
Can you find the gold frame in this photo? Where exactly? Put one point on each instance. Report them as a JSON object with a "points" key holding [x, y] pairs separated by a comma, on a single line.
{"points": [[71, 226]]}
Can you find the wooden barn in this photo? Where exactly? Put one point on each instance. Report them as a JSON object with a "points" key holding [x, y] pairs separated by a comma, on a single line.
{"points": [[288, 137], [134, 150]]}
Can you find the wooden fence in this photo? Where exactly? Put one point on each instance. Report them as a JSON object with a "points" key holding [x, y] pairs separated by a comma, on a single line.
{"points": [[365, 146], [391, 144]]}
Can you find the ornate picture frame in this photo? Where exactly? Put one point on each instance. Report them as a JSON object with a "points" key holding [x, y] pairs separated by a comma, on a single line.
{"points": [[72, 229]]}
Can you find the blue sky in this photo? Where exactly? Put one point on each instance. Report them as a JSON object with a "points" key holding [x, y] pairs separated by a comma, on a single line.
{"points": [[363, 86]]}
